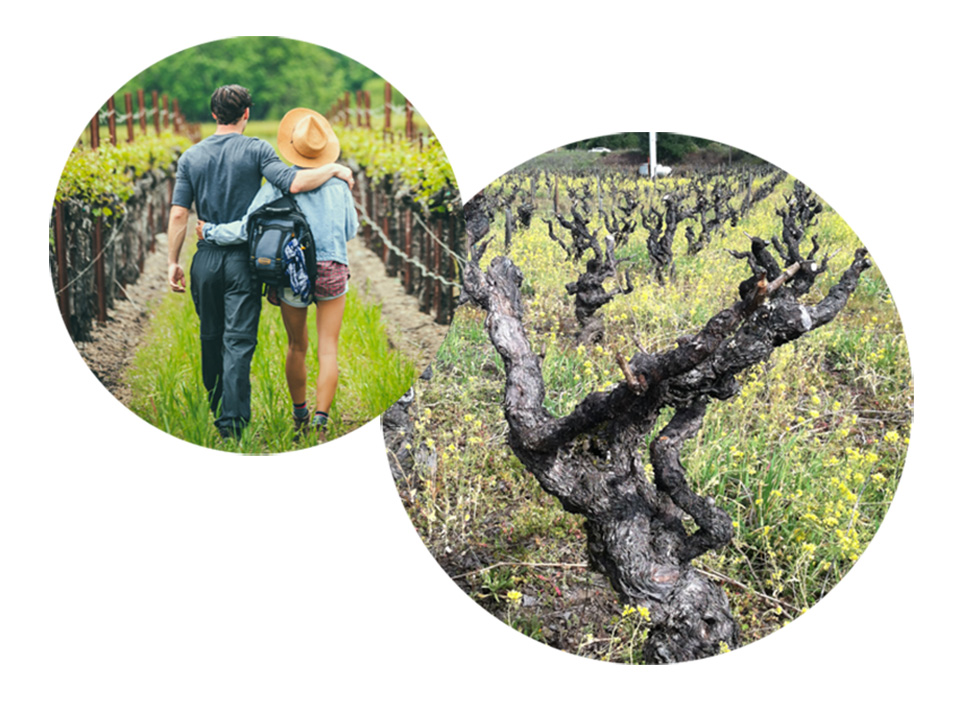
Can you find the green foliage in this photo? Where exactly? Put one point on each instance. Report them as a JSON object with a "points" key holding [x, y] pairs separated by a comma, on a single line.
{"points": [[675, 147], [633, 140], [280, 73], [376, 87], [108, 174], [427, 172]]}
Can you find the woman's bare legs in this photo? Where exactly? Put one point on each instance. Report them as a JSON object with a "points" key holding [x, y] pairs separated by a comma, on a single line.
{"points": [[298, 342], [329, 319]]}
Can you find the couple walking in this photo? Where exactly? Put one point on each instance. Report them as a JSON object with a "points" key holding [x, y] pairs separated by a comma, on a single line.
{"points": [[222, 175]]}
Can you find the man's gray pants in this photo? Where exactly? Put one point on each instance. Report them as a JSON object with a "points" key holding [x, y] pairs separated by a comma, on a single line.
{"points": [[227, 300]]}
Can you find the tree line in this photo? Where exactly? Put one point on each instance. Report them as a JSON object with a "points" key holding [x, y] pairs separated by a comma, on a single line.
{"points": [[280, 73], [671, 147]]}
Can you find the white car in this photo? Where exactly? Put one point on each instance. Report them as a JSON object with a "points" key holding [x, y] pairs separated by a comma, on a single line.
{"points": [[662, 171]]}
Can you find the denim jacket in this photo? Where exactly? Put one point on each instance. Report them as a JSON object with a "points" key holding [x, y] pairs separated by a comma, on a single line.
{"points": [[329, 211]]}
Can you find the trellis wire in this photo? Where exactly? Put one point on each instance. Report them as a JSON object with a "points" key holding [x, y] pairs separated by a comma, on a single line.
{"points": [[425, 271], [159, 113], [410, 261]]}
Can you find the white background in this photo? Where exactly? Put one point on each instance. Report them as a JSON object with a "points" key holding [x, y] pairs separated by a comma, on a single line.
{"points": [[141, 573]]}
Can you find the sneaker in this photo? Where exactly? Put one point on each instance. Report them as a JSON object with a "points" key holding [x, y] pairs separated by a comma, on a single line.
{"points": [[300, 422], [319, 425]]}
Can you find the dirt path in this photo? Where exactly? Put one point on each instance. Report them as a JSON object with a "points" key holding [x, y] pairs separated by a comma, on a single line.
{"points": [[411, 331], [112, 346]]}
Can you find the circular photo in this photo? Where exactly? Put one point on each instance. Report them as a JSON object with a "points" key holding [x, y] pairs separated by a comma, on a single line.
{"points": [[254, 244], [672, 408]]}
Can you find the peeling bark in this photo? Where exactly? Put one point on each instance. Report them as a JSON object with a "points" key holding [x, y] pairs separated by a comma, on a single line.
{"points": [[592, 459]]}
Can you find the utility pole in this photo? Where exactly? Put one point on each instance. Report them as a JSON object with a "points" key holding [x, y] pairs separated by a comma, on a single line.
{"points": [[653, 155]]}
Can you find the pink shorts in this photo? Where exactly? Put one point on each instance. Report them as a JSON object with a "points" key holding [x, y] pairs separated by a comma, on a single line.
{"points": [[331, 281]]}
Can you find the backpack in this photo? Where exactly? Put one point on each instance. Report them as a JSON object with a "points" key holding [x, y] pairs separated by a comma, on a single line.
{"points": [[271, 228]]}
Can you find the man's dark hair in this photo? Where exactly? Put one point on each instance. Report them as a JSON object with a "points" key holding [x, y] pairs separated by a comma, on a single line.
{"points": [[229, 102]]}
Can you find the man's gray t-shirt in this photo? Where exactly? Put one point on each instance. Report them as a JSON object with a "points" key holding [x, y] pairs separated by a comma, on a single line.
{"points": [[222, 174]]}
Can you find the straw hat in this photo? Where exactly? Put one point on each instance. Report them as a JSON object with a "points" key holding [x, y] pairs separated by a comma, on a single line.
{"points": [[305, 139]]}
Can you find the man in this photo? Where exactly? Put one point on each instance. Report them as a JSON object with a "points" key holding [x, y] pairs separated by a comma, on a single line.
{"points": [[221, 174]]}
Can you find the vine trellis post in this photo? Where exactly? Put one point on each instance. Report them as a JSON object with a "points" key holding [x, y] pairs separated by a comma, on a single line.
{"points": [[162, 116], [416, 244]]}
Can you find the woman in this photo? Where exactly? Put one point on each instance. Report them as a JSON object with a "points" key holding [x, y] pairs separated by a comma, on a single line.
{"points": [[306, 139]]}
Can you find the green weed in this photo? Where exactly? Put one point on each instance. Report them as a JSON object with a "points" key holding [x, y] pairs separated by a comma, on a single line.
{"points": [[168, 390], [805, 458]]}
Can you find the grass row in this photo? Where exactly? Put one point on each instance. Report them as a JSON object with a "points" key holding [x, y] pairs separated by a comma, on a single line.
{"points": [[168, 391]]}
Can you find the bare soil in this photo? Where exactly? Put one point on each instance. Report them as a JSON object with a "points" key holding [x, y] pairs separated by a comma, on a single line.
{"points": [[112, 346], [411, 331], [559, 605]]}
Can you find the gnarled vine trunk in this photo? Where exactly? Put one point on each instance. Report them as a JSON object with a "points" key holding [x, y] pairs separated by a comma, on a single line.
{"points": [[661, 229], [592, 459], [588, 291]]}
